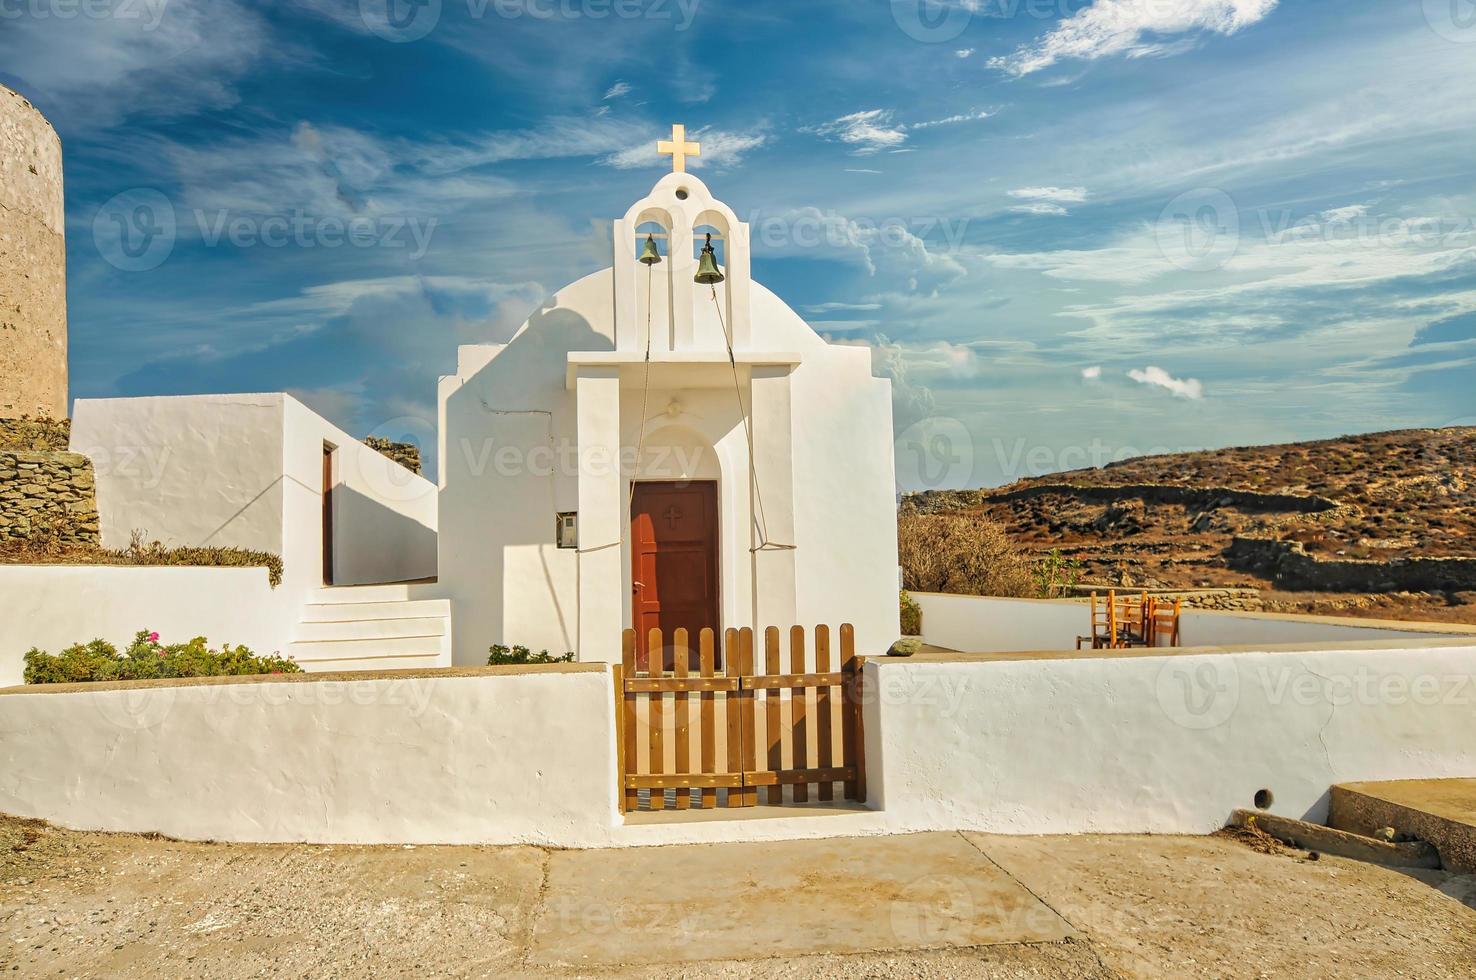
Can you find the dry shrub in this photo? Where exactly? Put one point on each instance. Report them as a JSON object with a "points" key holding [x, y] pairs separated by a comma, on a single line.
{"points": [[48, 547], [966, 554]]}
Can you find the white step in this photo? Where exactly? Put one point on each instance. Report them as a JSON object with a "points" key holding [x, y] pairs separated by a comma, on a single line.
{"points": [[373, 648], [370, 629], [342, 612], [373, 663], [398, 592]]}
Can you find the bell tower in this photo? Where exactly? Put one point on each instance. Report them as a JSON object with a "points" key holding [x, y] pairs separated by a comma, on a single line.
{"points": [[678, 215]]}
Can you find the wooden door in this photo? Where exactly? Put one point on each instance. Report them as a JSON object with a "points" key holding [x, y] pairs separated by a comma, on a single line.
{"points": [[327, 514], [674, 562]]}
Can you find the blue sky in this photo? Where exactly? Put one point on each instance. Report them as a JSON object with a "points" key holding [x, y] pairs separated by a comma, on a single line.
{"points": [[1068, 230]]}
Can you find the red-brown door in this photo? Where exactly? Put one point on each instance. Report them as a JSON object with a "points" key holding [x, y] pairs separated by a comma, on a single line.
{"points": [[674, 562]]}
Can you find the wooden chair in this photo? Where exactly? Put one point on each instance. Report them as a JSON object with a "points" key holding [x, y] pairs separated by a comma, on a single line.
{"points": [[1134, 622], [1103, 625], [1163, 623]]}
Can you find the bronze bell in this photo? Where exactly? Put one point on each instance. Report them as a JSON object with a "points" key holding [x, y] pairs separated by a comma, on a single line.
{"points": [[649, 255], [708, 273]]}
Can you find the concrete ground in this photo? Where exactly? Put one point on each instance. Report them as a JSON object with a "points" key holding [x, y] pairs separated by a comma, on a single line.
{"points": [[927, 905]]}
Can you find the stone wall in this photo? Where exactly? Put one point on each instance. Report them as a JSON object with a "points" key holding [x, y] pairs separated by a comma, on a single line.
{"points": [[40, 490], [35, 435], [1226, 599], [1290, 567], [1202, 498], [33, 264], [407, 454]]}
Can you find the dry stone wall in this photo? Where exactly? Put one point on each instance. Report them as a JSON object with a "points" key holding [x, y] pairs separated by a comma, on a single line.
{"points": [[1290, 567], [47, 492]]}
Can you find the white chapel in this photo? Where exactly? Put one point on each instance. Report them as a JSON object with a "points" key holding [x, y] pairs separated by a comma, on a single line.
{"points": [[665, 443]]}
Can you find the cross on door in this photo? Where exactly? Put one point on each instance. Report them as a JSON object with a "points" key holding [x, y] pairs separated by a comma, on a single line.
{"points": [[672, 515]]}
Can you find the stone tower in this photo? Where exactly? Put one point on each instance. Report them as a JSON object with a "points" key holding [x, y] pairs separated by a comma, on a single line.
{"points": [[33, 264]]}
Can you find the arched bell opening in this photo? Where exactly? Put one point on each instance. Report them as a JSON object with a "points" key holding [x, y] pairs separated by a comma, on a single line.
{"points": [[712, 313], [653, 272]]}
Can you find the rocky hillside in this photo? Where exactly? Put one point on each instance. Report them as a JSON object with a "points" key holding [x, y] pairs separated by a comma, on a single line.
{"points": [[1385, 520]]}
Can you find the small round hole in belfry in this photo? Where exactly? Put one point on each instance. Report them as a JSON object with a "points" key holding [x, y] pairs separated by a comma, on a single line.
{"points": [[681, 194], [1264, 799]]}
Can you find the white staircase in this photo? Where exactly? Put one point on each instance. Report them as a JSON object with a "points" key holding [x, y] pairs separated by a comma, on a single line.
{"points": [[372, 627]]}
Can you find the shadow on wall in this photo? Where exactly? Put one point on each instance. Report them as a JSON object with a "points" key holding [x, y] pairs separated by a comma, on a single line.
{"points": [[518, 399], [394, 548]]}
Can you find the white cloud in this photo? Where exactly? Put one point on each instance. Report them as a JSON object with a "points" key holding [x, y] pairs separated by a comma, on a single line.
{"points": [[964, 52], [617, 90], [1091, 373], [1131, 27], [1064, 195], [873, 130], [869, 131], [861, 170], [719, 149], [962, 117], [1040, 207], [1186, 388]]}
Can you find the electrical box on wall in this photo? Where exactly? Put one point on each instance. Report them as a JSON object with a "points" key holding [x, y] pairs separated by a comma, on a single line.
{"points": [[567, 533]]}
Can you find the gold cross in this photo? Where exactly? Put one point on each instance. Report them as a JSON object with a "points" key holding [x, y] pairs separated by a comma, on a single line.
{"points": [[678, 149]]}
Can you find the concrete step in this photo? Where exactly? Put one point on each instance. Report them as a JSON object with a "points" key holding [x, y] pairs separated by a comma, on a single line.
{"points": [[396, 592], [304, 651], [370, 629], [373, 663], [1441, 811], [342, 612]]}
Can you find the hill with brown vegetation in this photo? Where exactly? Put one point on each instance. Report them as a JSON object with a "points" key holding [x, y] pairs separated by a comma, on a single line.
{"points": [[1381, 524]]}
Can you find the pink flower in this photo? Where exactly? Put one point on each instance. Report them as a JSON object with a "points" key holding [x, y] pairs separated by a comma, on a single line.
{"points": [[153, 637]]}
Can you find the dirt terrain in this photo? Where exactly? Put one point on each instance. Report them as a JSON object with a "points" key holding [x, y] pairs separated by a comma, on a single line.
{"points": [[82, 904], [1169, 521]]}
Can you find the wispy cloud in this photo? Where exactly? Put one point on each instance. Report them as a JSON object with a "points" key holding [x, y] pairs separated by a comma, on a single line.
{"points": [[1131, 27], [617, 90], [719, 149], [1159, 378], [869, 131], [1061, 195], [1092, 373], [872, 131]]}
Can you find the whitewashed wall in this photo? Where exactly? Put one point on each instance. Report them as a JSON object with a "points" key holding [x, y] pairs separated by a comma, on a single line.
{"points": [[1160, 744], [985, 624], [246, 471], [199, 470], [384, 515], [1154, 744], [501, 758], [55, 606]]}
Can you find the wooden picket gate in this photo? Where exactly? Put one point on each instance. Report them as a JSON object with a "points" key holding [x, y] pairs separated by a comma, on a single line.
{"points": [[751, 729]]}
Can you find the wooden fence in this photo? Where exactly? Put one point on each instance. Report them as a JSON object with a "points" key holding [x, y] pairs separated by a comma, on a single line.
{"points": [[696, 730]]}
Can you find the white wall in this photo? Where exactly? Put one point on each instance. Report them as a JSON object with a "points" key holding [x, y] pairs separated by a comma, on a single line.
{"points": [[1160, 744], [245, 471], [384, 515], [1140, 744], [199, 470], [985, 624], [55, 606], [416, 759]]}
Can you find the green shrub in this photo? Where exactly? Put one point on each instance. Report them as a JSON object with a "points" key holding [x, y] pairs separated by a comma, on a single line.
{"points": [[502, 656], [911, 616], [146, 658]]}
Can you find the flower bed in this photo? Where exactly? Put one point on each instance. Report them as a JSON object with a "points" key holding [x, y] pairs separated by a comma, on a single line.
{"points": [[147, 658]]}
